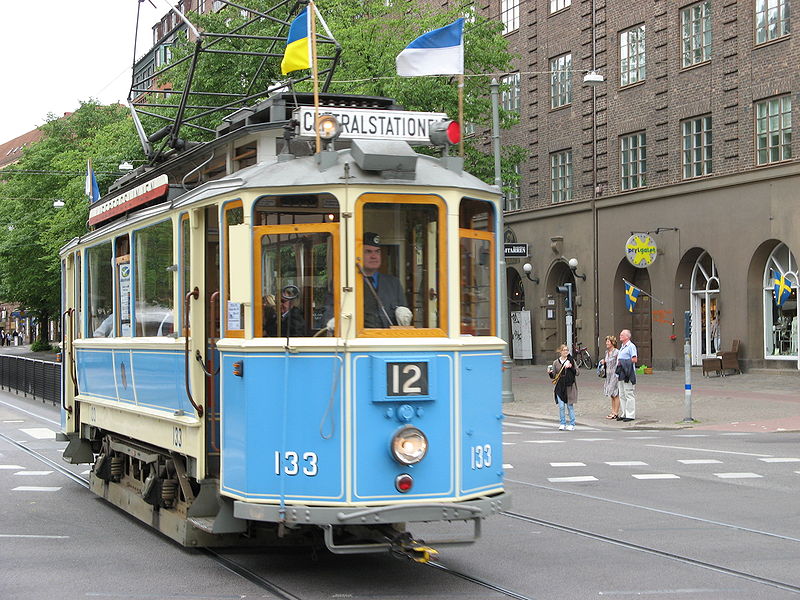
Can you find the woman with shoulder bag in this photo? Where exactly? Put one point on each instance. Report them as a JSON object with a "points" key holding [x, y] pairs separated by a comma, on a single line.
{"points": [[565, 391], [610, 386]]}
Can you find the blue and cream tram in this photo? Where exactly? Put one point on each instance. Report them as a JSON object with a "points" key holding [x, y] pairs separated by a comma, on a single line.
{"points": [[263, 342]]}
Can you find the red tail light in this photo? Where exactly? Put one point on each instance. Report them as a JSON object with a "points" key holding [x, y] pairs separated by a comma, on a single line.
{"points": [[404, 482]]}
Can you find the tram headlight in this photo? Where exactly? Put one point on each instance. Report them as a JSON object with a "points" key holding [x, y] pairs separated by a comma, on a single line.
{"points": [[409, 445], [328, 127]]}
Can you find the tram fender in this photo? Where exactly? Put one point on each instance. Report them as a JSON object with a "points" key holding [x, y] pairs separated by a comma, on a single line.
{"points": [[78, 451], [213, 513]]}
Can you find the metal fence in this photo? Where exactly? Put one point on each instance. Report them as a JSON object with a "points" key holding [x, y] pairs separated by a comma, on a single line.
{"points": [[30, 377]]}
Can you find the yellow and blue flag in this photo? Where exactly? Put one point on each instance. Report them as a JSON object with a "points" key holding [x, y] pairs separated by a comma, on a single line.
{"points": [[631, 296], [783, 289], [298, 44]]}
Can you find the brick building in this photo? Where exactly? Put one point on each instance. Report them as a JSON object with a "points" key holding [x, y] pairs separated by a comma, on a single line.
{"points": [[687, 141]]}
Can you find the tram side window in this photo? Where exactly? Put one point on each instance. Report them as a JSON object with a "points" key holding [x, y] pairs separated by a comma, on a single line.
{"points": [[399, 265], [99, 290], [154, 280], [296, 282], [477, 267]]}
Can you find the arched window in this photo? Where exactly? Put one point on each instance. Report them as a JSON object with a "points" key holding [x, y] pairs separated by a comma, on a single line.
{"points": [[705, 308], [780, 304]]}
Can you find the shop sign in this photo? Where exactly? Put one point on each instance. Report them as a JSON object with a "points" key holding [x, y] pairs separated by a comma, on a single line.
{"points": [[641, 250], [516, 250], [410, 126]]}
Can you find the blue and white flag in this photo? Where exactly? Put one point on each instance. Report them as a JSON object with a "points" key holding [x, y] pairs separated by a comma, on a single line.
{"points": [[92, 191], [438, 52]]}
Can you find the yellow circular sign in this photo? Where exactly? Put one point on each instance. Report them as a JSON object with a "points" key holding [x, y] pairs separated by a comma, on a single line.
{"points": [[640, 249]]}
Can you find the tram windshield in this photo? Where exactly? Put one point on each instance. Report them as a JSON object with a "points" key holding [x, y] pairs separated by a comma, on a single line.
{"points": [[399, 267]]}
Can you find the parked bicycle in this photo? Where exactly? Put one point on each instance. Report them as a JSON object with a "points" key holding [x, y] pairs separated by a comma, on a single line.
{"points": [[582, 356]]}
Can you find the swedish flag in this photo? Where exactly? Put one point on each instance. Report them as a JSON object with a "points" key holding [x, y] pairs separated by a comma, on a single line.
{"points": [[631, 296], [783, 289], [298, 45]]}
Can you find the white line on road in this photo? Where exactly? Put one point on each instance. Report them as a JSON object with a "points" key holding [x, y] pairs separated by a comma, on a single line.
{"points": [[567, 464], [571, 479], [526, 426], [40, 433], [10, 467], [708, 450], [545, 441], [508, 466], [33, 473], [779, 460], [37, 537], [700, 461], [737, 475], [627, 463], [655, 476], [27, 412], [593, 439], [17, 421], [34, 488], [511, 433]]}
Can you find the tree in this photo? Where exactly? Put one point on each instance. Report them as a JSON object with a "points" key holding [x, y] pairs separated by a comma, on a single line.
{"points": [[31, 230]]}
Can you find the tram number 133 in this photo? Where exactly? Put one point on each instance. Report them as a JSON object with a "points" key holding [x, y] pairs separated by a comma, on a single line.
{"points": [[480, 456], [292, 463]]}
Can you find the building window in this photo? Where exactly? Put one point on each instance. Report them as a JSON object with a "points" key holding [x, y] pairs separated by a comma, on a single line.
{"points": [[561, 81], [696, 33], [631, 56], [512, 192], [697, 147], [774, 130], [561, 176], [772, 20], [509, 14], [557, 5], [780, 304], [633, 161], [509, 97]]}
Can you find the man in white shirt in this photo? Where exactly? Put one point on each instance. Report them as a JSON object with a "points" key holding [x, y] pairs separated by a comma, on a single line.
{"points": [[626, 370]]}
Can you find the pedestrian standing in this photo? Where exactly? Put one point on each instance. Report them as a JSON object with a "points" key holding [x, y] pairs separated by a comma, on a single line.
{"points": [[565, 390], [611, 386], [626, 372]]}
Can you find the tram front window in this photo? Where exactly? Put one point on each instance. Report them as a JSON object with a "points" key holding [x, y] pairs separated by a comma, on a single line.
{"points": [[399, 271], [295, 280]]}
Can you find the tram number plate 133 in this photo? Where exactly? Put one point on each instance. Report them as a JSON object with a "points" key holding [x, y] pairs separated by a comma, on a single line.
{"points": [[407, 379]]}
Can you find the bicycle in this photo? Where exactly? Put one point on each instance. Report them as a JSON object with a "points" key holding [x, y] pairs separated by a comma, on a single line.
{"points": [[582, 356]]}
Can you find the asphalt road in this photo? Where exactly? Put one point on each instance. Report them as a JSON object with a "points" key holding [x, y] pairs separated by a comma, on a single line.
{"points": [[597, 512]]}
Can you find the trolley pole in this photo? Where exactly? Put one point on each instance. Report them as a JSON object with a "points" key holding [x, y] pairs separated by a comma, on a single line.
{"points": [[687, 367], [508, 393]]}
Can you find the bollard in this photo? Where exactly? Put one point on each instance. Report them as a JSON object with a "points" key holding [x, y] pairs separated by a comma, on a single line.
{"points": [[687, 367]]}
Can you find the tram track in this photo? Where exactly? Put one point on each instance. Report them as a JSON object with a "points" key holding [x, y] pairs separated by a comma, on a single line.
{"points": [[654, 552], [478, 581]]}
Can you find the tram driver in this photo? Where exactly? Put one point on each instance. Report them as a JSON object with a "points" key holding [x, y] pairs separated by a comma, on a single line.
{"points": [[384, 298], [292, 322]]}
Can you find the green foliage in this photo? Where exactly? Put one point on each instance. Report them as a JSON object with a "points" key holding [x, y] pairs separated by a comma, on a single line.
{"points": [[31, 230], [41, 346]]}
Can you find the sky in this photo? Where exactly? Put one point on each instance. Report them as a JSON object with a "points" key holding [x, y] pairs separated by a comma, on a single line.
{"points": [[57, 53]]}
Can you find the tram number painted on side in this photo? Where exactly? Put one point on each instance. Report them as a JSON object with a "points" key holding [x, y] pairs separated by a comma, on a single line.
{"points": [[481, 456], [177, 437], [291, 463], [407, 379]]}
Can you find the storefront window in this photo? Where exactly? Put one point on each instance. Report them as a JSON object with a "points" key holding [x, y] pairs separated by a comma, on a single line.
{"points": [[400, 279], [780, 304]]}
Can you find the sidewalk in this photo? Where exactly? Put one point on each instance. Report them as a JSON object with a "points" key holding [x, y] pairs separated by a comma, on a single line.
{"points": [[755, 401], [25, 352]]}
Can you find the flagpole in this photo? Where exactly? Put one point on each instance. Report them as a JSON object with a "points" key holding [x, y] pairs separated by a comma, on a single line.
{"points": [[461, 115], [312, 9], [641, 291]]}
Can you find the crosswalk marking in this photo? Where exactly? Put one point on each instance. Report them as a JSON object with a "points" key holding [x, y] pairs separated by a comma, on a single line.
{"points": [[700, 461], [567, 464], [34, 488], [36, 537], [737, 475], [779, 460], [593, 439], [40, 433], [545, 441], [15, 421], [627, 463], [571, 479], [10, 467], [28, 473], [655, 476]]}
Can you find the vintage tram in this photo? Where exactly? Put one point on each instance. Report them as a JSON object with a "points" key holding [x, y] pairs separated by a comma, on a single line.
{"points": [[267, 343]]}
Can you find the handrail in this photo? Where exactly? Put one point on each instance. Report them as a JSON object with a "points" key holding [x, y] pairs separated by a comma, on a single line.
{"points": [[212, 388], [66, 313], [195, 293]]}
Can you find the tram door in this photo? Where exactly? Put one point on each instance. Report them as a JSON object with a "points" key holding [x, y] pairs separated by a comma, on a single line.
{"points": [[210, 258]]}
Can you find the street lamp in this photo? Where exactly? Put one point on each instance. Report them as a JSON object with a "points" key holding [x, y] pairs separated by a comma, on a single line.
{"points": [[58, 203], [573, 266], [527, 268], [593, 78], [125, 166]]}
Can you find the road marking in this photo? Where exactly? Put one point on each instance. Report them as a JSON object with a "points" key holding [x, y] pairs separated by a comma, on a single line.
{"points": [[643, 437], [627, 463], [511, 433], [567, 464], [737, 475], [27, 412], [545, 441], [700, 461], [86, 472], [779, 460], [540, 423], [707, 450], [571, 479], [508, 466], [40, 433], [593, 439], [527, 426], [655, 476], [17, 421], [7, 467], [34, 488], [33, 473], [37, 537], [692, 435], [509, 443], [737, 433]]}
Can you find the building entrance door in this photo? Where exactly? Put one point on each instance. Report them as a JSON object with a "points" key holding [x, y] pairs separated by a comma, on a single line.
{"points": [[642, 331]]}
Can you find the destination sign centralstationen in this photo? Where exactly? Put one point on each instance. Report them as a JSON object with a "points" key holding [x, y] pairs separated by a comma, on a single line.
{"points": [[405, 125]]}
